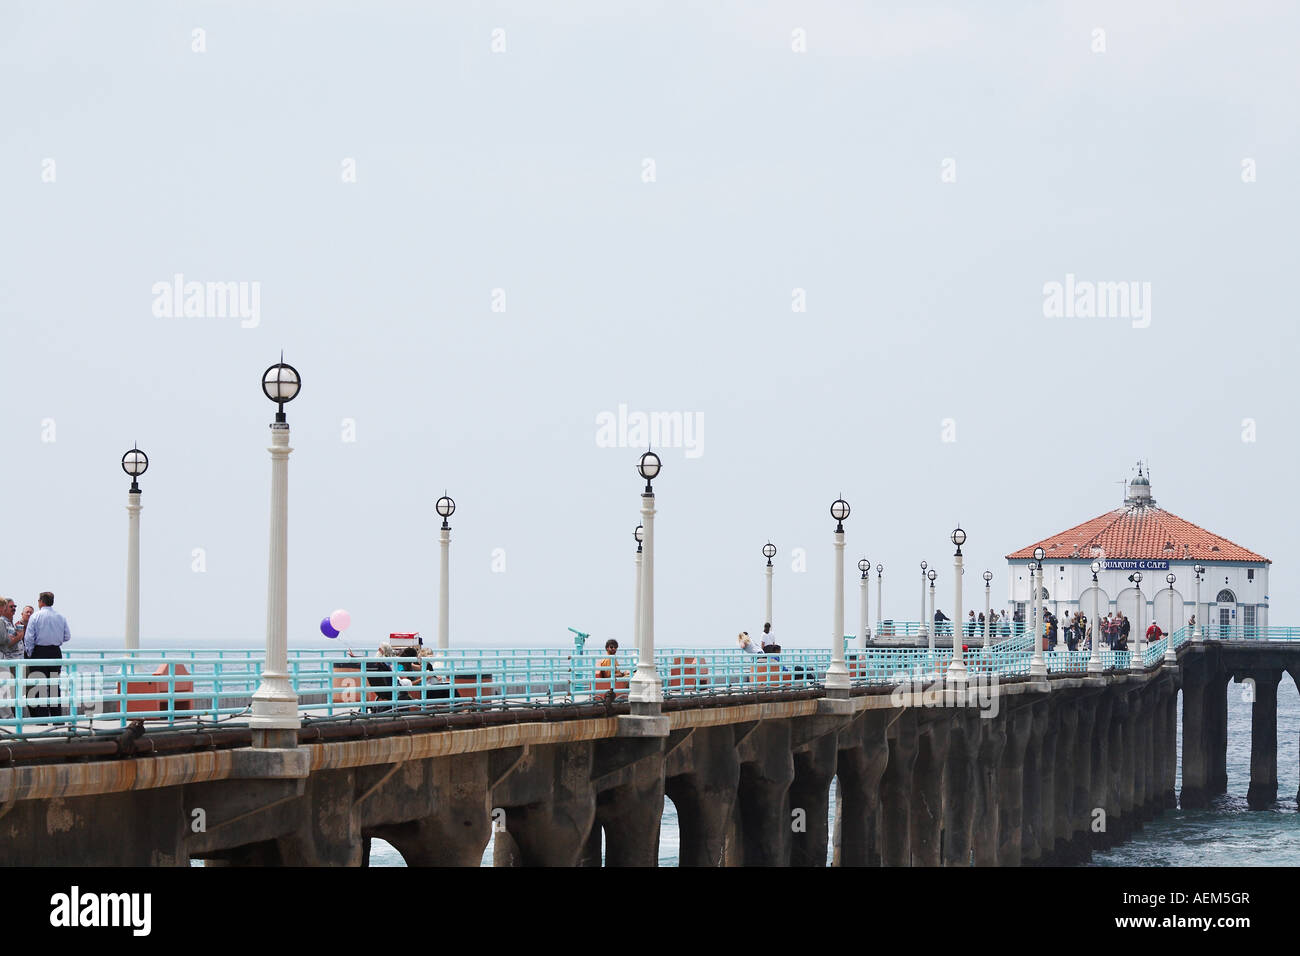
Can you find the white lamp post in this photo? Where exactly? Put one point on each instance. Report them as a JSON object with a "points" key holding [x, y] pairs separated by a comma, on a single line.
{"points": [[1135, 659], [135, 463], [930, 576], [769, 552], [445, 508], [837, 675], [638, 534], [1196, 631], [1171, 657], [988, 607], [1037, 663], [274, 717], [880, 607], [646, 690], [957, 668], [1094, 662], [923, 630], [863, 627]]}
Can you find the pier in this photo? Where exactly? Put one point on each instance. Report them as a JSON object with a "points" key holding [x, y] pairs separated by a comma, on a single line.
{"points": [[1028, 770]]}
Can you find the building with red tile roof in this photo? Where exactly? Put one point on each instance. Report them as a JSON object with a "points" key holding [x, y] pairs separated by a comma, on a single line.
{"points": [[1137, 547]]}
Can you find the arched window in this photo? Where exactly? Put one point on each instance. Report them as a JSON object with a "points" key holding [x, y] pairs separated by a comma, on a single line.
{"points": [[1225, 597]]}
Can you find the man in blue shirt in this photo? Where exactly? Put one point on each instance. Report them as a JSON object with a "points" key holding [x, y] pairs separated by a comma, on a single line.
{"points": [[46, 633]]}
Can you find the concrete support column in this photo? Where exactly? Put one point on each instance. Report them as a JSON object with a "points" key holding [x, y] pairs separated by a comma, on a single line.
{"points": [[330, 833], [705, 799], [764, 796], [592, 850], [1081, 805], [960, 788], [896, 793], [984, 829], [1218, 736], [814, 769], [857, 785], [1063, 775], [1263, 740], [1195, 794], [1121, 767], [549, 803], [1143, 786], [1099, 790], [631, 815], [455, 795], [1032, 802], [1011, 789], [926, 825], [553, 833]]}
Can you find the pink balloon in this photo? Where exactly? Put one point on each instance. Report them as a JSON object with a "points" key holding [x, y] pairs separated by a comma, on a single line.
{"points": [[340, 620]]}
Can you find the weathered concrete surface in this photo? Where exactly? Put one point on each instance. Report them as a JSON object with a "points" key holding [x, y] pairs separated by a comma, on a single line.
{"points": [[1063, 766]]}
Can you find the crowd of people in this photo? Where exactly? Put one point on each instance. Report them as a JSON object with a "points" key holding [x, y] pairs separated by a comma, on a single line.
{"points": [[38, 634], [1075, 633]]}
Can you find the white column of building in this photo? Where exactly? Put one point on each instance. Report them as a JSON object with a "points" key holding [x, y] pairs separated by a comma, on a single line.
{"points": [[1171, 656], [275, 705], [1197, 634], [1094, 660], [133, 570]]}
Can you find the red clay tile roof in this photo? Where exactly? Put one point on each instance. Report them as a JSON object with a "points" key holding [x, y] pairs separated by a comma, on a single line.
{"points": [[1149, 532]]}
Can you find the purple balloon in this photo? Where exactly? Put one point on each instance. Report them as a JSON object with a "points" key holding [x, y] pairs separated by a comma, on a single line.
{"points": [[327, 628]]}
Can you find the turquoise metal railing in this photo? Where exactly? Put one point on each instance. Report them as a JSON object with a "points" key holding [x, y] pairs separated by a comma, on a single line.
{"points": [[1000, 631], [102, 690]]}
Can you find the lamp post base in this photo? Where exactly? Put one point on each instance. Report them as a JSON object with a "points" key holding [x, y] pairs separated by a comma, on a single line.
{"points": [[645, 690], [1037, 666], [837, 680], [275, 705], [1096, 667], [642, 725], [956, 673]]}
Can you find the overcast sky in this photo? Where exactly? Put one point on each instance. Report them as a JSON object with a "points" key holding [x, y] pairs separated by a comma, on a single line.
{"points": [[651, 195]]}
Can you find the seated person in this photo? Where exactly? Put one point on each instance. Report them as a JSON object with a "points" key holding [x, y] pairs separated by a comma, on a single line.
{"points": [[611, 648]]}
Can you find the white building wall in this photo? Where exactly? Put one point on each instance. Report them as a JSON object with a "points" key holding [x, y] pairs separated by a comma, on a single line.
{"points": [[1064, 586]]}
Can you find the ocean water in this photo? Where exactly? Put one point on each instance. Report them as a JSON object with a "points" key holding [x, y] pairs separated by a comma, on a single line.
{"points": [[1228, 834]]}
